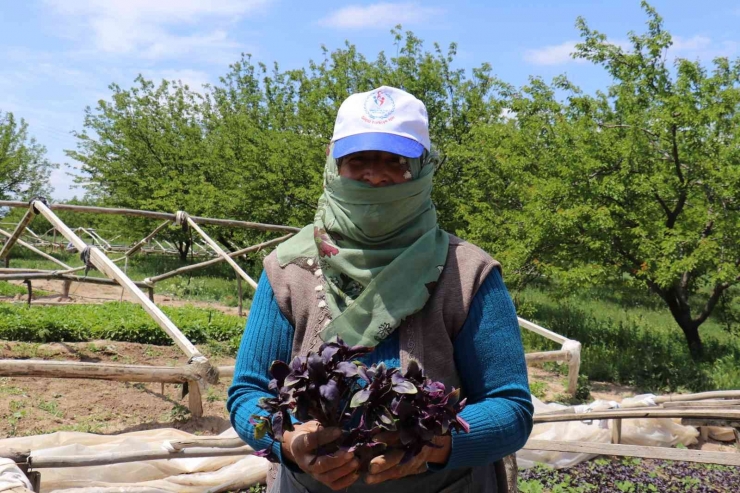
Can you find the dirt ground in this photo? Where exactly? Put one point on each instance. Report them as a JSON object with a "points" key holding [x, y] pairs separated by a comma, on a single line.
{"points": [[30, 406]]}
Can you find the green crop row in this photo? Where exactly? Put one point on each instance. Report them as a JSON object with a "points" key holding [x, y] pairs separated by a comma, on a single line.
{"points": [[115, 321]]}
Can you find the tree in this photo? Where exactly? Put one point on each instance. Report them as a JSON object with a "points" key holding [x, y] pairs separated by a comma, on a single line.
{"points": [[24, 168], [640, 183], [253, 146]]}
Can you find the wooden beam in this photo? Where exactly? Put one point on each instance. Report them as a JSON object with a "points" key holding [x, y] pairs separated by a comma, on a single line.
{"points": [[157, 215], [664, 453], [703, 422], [226, 371], [36, 250], [111, 270], [703, 404], [243, 251], [640, 413], [97, 371], [526, 324], [66, 277], [211, 442], [560, 355], [717, 394], [25, 221], [222, 253], [107, 458]]}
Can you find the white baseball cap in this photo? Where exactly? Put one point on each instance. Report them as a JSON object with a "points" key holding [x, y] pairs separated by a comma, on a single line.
{"points": [[384, 119]]}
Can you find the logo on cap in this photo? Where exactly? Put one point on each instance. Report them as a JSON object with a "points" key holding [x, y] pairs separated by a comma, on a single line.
{"points": [[379, 105]]}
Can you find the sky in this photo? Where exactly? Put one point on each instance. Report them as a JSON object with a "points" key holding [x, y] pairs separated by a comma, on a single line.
{"points": [[59, 56]]}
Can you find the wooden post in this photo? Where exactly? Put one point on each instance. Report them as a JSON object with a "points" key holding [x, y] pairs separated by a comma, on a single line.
{"points": [[112, 271], [737, 438], [35, 478], [189, 268], [222, 253], [65, 289], [145, 240], [151, 294], [616, 430], [27, 218], [30, 291], [54, 242], [241, 297], [574, 365], [195, 399], [703, 434], [36, 250]]}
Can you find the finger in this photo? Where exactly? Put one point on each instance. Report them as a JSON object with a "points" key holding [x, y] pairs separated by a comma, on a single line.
{"points": [[388, 437], [336, 474], [396, 473], [345, 482], [327, 463], [312, 440], [386, 461]]}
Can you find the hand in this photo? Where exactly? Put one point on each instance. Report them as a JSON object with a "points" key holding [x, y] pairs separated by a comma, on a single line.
{"points": [[337, 471], [388, 466]]}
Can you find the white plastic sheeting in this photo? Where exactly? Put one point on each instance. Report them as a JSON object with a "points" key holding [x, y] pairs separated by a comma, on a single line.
{"points": [[191, 475], [654, 432], [230, 473], [11, 478]]}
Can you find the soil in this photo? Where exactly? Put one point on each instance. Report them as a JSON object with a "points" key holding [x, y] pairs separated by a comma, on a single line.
{"points": [[31, 406]]}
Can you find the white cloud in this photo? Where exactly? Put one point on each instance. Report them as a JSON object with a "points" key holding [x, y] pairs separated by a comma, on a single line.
{"points": [[154, 29], [696, 47], [552, 55], [702, 48], [691, 44], [195, 79], [379, 15]]}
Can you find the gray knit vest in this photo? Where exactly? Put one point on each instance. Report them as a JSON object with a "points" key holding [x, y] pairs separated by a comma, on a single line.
{"points": [[427, 336]]}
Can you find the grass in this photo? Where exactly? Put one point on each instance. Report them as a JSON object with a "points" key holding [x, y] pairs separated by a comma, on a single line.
{"points": [[11, 290], [118, 321], [628, 337], [215, 283]]}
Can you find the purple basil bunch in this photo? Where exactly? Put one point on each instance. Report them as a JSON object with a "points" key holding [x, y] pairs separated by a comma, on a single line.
{"points": [[335, 389]]}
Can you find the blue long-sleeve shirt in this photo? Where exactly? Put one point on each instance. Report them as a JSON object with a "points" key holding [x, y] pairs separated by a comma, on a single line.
{"points": [[488, 356]]}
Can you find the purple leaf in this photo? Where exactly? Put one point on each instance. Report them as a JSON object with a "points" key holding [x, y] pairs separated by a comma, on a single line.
{"points": [[463, 423], [330, 391], [360, 398], [277, 426], [316, 369], [347, 369], [328, 353], [453, 397], [279, 370]]}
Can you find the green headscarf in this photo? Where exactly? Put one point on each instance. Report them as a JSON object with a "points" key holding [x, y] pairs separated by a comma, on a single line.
{"points": [[380, 251]]}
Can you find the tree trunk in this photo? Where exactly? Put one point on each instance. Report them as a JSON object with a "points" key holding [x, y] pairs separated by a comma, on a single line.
{"points": [[183, 247], [681, 312], [694, 341]]}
